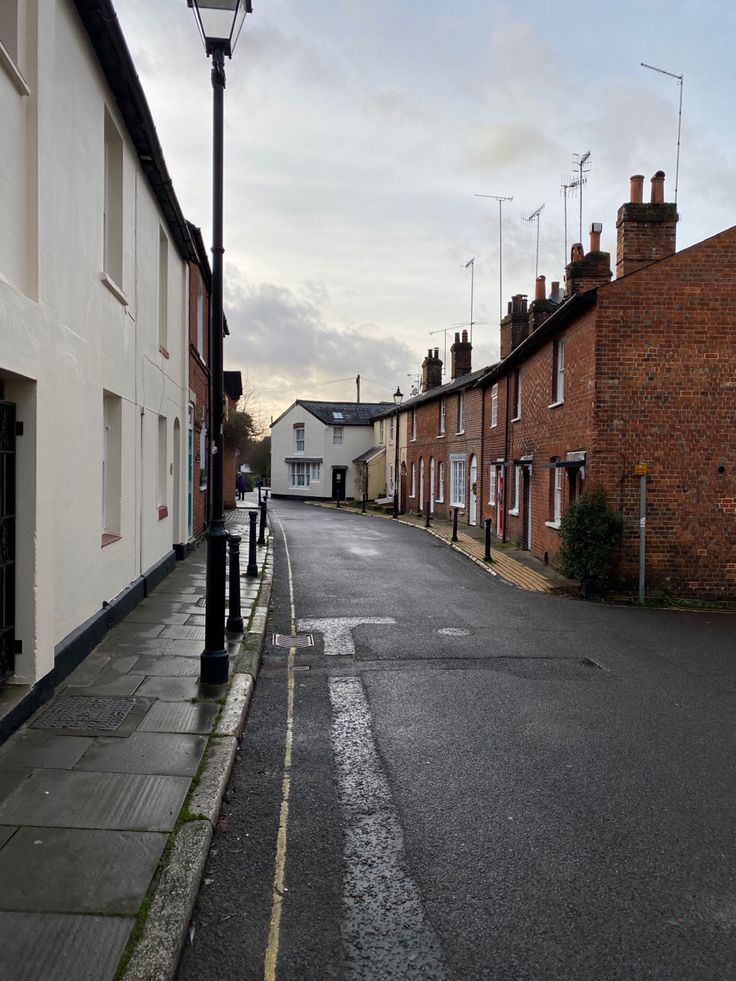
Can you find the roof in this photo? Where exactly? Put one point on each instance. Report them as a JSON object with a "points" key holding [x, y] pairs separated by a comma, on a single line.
{"points": [[339, 413], [439, 391], [233, 385], [102, 25], [371, 454]]}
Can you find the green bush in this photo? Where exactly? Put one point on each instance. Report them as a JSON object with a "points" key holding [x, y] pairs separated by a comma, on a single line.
{"points": [[589, 533]]}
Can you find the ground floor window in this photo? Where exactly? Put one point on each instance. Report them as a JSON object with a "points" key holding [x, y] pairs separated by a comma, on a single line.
{"points": [[300, 474], [315, 474], [441, 483], [457, 485], [516, 491], [413, 492], [492, 484]]}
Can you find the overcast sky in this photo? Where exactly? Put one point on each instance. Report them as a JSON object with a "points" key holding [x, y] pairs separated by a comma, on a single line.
{"points": [[358, 133]]}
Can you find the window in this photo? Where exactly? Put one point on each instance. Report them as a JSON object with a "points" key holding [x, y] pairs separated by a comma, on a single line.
{"points": [[381, 431], [442, 416], [558, 371], [203, 467], [457, 484], [113, 215], [112, 414], [336, 436], [494, 406], [300, 474], [492, 473], [461, 412], [413, 424], [163, 288], [315, 473], [390, 478], [413, 492], [391, 430], [517, 395], [517, 486], [162, 468], [557, 510], [299, 438], [200, 321], [440, 482]]}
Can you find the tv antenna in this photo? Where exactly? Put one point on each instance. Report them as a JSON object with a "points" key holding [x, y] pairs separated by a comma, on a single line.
{"points": [[680, 79], [443, 330], [500, 199], [569, 185], [471, 264], [534, 216], [580, 160]]}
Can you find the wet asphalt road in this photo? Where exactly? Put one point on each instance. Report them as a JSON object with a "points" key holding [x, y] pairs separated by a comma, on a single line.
{"points": [[547, 791]]}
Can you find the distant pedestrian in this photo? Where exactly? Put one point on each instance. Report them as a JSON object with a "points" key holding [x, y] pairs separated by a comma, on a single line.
{"points": [[241, 486]]}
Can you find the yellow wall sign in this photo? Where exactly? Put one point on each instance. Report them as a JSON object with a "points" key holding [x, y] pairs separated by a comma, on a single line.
{"points": [[641, 469]]}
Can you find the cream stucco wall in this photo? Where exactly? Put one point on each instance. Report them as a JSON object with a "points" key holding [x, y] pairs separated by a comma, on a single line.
{"points": [[65, 338]]}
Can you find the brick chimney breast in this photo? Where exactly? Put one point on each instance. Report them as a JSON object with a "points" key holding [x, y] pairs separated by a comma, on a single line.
{"points": [[515, 325], [431, 370], [461, 352], [645, 232], [587, 272]]}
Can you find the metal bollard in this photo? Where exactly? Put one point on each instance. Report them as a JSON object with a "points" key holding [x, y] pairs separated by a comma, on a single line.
{"points": [[262, 525], [252, 569], [427, 519], [487, 555], [266, 493], [454, 525], [259, 495], [234, 618]]}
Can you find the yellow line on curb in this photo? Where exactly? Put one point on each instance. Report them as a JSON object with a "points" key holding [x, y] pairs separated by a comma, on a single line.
{"points": [[279, 875]]}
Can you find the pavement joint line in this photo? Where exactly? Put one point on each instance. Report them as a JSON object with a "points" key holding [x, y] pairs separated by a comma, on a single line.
{"points": [[173, 895]]}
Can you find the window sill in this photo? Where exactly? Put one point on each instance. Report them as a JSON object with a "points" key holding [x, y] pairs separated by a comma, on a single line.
{"points": [[514, 512], [203, 487], [460, 507], [114, 289], [460, 432], [552, 524], [516, 419], [12, 72], [109, 537], [553, 405], [441, 435], [163, 512], [493, 425]]}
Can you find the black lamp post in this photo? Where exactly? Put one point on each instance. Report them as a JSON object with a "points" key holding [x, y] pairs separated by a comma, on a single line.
{"points": [[219, 23], [397, 402]]}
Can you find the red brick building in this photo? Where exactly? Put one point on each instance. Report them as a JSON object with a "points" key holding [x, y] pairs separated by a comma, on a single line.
{"points": [[200, 288], [444, 433], [638, 370]]}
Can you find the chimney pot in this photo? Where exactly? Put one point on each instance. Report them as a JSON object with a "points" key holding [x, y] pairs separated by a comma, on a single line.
{"points": [[539, 289], [457, 337], [576, 252], [637, 188], [436, 352], [595, 236], [465, 337], [658, 188]]}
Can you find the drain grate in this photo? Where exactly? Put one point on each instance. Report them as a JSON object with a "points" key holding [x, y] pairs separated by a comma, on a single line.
{"points": [[103, 713], [284, 640]]}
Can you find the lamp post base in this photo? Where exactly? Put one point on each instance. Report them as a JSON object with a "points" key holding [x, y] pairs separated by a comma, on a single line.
{"points": [[214, 663]]}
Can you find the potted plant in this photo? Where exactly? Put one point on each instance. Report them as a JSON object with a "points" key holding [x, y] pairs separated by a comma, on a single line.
{"points": [[589, 533]]}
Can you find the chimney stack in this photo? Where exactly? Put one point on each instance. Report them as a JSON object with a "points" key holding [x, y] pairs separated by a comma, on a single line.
{"points": [[431, 370], [645, 232], [540, 292], [461, 352], [515, 325], [587, 272]]}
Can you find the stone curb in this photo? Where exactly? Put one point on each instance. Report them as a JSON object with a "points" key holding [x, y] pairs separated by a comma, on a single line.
{"points": [[157, 953]]}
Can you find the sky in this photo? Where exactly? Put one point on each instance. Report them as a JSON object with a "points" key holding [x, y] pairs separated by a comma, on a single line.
{"points": [[359, 132]]}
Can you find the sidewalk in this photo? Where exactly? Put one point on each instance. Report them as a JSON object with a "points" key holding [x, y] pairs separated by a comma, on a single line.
{"points": [[512, 564], [92, 787]]}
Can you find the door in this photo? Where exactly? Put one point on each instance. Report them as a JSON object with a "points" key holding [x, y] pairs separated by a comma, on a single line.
{"points": [[7, 539], [421, 485], [431, 486], [473, 496], [177, 482], [190, 474], [338, 483], [527, 472]]}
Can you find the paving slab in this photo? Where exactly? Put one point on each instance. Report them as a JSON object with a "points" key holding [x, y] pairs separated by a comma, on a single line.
{"points": [[108, 684], [196, 620], [180, 717], [58, 870], [170, 689], [43, 749], [75, 799], [88, 670], [183, 633], [137, 631], [146, 752], [58, 947], [155, 616], [10, 780], [5, 834], [154, 665]]}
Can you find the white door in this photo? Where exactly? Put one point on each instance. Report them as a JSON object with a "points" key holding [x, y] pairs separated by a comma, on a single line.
{"points": [[431, 486], [473, 498], [421, 485]]}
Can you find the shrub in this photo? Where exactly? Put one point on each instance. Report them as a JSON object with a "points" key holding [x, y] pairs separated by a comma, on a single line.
{"points": [[589, 533]]}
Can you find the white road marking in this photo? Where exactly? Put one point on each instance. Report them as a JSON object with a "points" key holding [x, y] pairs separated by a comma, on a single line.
{"points": [[337, 631], [385, 930]]}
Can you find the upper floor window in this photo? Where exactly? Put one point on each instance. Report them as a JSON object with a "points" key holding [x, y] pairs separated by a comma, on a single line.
{"points": [[163, 288], [413, 491], [113, 203], [299, 438], [413, 424], [391, 430], [461, 412], [494, 405], [337, 435], [442, 416], [381, 431], [517, 394], [558, 370], [200, 320]]}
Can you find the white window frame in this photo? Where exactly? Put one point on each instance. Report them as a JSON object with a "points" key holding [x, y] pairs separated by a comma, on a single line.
{"points": [[391, 430], [457, 483], [558, 381], [494, 406], [440, 482], [443, 410], [517, 490], [200, 319], [337, 435], [297, 441], [390, 479], [517, 396], [492, 478], [113, 211], [299, 474], [163, 289], [381, 431], [413, 425], [460, 413], [315, 474], [413, 491]]}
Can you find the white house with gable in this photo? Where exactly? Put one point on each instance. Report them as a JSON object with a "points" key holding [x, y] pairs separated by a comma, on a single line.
{"points": [[93, 339], [314, 446]]}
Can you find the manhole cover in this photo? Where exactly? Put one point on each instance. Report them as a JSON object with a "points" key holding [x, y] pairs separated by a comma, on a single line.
{"points": [[99, 712], [453, 632], [284, 640]]}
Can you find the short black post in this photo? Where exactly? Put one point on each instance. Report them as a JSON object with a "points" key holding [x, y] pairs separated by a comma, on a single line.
{"points": [[252, 569], [259, 493], [426, 522], [266, 493], [262, 524], [454, 525], [234, 618], [487, 555]]}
